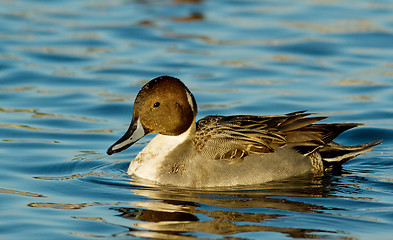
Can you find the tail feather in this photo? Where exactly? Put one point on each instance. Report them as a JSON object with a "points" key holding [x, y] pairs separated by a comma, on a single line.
{"points": [[334, 153], [317, 136]]}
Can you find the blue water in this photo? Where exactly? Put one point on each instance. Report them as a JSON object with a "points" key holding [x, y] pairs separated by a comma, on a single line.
{"points": [[70, 70]]}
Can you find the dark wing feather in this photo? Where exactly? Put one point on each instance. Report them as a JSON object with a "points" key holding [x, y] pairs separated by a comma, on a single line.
{"points": [[242, 135]]}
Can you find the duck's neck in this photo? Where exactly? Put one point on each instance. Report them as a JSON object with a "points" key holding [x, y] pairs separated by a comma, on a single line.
{"points": [[166, 143], [154, 154]]}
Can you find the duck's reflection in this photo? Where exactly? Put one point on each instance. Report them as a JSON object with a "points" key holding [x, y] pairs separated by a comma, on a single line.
{"points": [[172, 213], [234, 213]]}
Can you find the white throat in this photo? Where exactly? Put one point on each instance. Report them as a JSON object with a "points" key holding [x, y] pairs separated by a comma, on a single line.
{"points": [[148, 161]]}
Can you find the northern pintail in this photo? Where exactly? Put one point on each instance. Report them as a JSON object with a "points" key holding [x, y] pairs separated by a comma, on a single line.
{"points": [[226, 150]]}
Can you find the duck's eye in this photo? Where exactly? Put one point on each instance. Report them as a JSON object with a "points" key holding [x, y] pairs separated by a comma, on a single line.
{"points": [[157, 104]]}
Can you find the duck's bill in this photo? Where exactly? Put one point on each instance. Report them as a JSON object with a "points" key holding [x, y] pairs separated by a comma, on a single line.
{"points": [[133, 134]]}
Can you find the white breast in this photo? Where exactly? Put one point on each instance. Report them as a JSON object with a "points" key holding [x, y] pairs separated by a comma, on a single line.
{"points": [[149, 161]]}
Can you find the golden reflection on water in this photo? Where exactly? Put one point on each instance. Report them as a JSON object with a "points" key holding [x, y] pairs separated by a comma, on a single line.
{"points": [[14, 110], [173, 213], [190, 18], [60, 205], [63, 116], [356, 81], [260, 82], [27, 127], [340, 26], [11, 57], [362, 98], [74, 176], [216, 106], [37, 114], [89, 218], [21, 193], [111, 97]]}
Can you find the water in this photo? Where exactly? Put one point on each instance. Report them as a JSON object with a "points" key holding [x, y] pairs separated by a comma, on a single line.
{"points": [[69, 71]]}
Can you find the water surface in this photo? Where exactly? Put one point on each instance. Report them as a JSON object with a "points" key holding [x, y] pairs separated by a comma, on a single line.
{"points": [[70, 70]]}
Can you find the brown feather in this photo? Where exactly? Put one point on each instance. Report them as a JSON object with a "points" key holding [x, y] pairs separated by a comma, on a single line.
{"points": [[241, 135]]}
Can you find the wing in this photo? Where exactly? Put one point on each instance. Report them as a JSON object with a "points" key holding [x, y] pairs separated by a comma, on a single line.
{"points": [[234, 137]]}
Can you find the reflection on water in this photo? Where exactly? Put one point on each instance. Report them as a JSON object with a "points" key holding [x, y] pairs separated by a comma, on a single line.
{"points": [[27, 194], [172, 213], [59, 205]]}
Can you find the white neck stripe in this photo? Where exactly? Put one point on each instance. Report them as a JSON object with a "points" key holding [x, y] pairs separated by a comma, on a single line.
{"points": [[189, 99]]}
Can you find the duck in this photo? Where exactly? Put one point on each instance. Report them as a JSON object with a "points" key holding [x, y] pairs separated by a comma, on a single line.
{"points": [[225, 151]]}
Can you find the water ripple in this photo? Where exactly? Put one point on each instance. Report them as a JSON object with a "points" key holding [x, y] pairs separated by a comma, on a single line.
{"points": [[69, 71]]}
